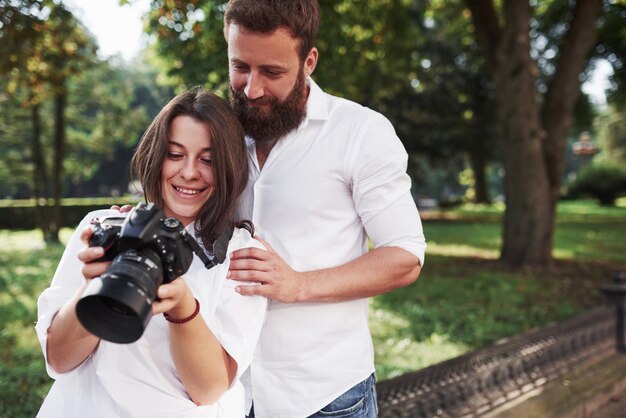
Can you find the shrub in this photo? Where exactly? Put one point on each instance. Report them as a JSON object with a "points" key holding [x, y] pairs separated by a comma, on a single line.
{"points": [[604, 182], [20, 214]]}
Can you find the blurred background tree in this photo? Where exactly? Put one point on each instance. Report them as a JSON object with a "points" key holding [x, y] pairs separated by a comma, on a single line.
{"points": [[76, 112], [485, 95], [45, 46]]}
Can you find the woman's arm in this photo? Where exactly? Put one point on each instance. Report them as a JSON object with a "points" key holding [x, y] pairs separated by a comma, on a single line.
{"points": [[68, 342], [204, 367]]}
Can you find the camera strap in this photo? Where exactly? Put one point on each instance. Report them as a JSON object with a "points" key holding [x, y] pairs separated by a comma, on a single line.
{"points": [[218, 253], [208, 260], [220, 246]]}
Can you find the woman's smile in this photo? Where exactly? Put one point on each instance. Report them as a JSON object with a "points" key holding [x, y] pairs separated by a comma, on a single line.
{"points": [[188, 192]]}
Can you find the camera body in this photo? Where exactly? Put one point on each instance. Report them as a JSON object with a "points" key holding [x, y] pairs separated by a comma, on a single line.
{"points": [[146, 228], [146, 249]]}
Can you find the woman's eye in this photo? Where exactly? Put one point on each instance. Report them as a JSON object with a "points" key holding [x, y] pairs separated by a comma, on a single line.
{"points": [[206, 161], [173, 155]]}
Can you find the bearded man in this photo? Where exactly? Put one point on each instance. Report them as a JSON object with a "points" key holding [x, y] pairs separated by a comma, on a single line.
{"points": [[326, 175]]}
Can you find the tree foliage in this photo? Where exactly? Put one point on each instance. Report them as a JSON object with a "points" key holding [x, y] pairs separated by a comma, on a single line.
{"points": [[416, 64], [611, 128], [64, 111], [420, 64], [611, 46], [45, 47], [444, 110], [454, 76], [14, 127], [536, 52], [189, 42]]}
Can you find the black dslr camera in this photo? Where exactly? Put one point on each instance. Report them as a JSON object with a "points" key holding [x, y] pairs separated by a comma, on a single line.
{"points": [[147, 249]]}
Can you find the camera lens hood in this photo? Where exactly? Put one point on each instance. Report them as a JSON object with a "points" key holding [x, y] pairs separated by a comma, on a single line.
{"points": [[112, 311]]}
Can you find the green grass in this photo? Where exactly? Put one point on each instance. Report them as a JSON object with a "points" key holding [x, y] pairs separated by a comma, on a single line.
{"points": [[463, 299], [26, 268]]}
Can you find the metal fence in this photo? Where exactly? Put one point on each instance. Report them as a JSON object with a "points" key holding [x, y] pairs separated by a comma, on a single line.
{"points": [[480, 381]]}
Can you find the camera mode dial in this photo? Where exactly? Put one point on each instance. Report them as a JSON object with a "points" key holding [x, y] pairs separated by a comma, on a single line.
{"points": [[171, 223]]}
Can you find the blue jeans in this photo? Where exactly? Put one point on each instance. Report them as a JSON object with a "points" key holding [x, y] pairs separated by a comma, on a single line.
{"points": [[357, 402]]}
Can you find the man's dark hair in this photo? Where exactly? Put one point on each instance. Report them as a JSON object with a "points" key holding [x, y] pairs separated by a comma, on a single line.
{"points": [[300, 17]]}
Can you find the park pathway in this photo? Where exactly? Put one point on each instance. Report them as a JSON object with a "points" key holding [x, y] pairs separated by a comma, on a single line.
{"points": [[615, 408]]}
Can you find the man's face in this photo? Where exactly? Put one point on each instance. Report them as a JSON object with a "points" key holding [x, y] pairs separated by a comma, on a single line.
{"points": [[267, 81]]}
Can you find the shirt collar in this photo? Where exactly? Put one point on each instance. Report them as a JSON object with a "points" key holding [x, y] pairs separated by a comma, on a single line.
{"points": [[316, 105]]}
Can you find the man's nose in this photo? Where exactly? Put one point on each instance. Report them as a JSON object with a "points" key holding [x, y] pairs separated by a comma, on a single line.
{"points": [[254, 87]]}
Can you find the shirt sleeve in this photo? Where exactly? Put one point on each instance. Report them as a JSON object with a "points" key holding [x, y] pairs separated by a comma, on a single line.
{"points": [[66, 281], [238, 319], [382, 190]]}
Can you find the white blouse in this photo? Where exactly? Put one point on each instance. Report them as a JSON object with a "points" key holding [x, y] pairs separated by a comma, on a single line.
{"points": [[140, 379]]}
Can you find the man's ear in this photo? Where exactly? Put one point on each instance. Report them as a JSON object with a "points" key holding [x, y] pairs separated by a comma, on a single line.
{"points": [[310, 62]]}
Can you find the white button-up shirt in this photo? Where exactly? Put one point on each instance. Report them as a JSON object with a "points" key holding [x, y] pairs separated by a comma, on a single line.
{"points": [[140, 379], [325, 188]]}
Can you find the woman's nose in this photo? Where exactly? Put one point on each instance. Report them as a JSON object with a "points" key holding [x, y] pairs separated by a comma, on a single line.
{"points": [[190, 170]]}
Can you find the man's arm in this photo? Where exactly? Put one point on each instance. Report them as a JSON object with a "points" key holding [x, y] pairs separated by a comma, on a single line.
{"points": [[380, 190], [377, 272]]}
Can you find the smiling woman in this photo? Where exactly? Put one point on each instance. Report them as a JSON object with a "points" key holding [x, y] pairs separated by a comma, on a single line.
{"points": [[187, 172], [117, 28], [192, 164]]}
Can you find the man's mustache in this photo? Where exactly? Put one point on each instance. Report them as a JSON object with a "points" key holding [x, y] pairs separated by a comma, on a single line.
{"points": [[259, 101]]}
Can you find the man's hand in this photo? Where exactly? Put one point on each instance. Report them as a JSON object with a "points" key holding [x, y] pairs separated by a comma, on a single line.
{"points": [[276, 280]]}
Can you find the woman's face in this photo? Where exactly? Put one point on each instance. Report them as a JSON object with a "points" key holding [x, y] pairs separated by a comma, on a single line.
{"points": [[187, 174]]}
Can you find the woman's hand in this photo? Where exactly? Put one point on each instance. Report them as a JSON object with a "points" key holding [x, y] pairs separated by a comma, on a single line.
{"points": [[88, 254], [175, 298], [122, 209]]}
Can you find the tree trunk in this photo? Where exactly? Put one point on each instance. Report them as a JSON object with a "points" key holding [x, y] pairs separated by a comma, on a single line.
{"points": [[564, 89], [526, 229], [478, 163], [533, 149], [60, 101], [40, 177]]}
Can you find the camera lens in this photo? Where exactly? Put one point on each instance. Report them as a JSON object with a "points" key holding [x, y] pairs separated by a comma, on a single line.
{"points": [[117, 306]]}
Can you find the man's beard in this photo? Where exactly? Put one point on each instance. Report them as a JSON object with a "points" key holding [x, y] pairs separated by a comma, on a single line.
{"points": [[274, 118]]}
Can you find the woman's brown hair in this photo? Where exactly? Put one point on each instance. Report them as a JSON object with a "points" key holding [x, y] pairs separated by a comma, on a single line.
{"points": [[228, 156]]}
